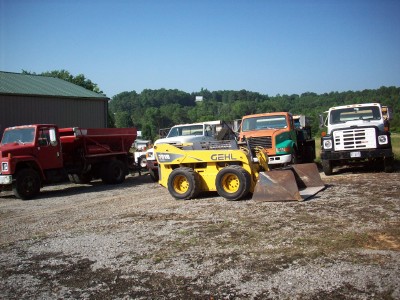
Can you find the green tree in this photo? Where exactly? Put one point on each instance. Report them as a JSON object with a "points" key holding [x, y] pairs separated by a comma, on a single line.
{"points": [[123, 119]]}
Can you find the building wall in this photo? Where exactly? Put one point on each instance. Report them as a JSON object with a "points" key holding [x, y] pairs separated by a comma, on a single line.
{"points": [[64, 112]]}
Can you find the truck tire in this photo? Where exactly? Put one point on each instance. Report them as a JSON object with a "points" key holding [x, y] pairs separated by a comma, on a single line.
{"points": [[295, 157], [114, 172], [154, 175], [183, 183], [233, 182], [327, 167], [388, 165], [85, 178], [27, 184]]}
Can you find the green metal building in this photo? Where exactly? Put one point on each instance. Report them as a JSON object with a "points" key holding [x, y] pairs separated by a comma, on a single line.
{"points": [[34, 99]]}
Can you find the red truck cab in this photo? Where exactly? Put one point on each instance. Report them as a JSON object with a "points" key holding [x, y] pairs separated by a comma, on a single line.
{"points": [[36, 146]]}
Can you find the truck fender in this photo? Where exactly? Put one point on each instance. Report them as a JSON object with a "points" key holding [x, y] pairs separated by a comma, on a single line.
{"points": [[22, 162]]}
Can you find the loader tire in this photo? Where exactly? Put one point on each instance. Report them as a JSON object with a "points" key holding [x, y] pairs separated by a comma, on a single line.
{"points": [[183, 183], [327, 167], [27, 184], [114, 172], [233, 182]]}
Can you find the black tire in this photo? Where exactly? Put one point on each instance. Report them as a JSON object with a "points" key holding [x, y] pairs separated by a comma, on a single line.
{"points": [[388, 165], [114, 172], [154, 175], [295, 159], [183, 183], [327, 167], [85, 178], [27, 184], [233, 182]]}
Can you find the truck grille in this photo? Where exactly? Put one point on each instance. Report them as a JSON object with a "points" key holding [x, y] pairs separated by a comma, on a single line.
{"points": [[353, 139], [265, 142]]}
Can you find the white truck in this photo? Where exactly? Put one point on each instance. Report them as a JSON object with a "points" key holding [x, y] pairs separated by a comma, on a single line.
{"points": [[139, 148], [357, 132], [189, 133]]}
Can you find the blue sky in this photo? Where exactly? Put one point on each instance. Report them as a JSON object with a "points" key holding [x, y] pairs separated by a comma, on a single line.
{"points": [[271, 47]]}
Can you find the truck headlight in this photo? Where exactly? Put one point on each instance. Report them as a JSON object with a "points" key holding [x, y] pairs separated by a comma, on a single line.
{"points": [[327, 144], [4, 166], [382, 139]]}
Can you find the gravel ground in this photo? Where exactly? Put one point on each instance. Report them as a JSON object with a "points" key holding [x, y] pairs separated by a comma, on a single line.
{"points": [[134, 241]]}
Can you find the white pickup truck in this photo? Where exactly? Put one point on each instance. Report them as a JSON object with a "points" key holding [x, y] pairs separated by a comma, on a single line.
{"points": [[188, 133]]}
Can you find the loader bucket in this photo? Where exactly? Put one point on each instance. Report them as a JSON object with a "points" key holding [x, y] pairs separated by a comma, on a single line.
{"points": [[296, 183]]}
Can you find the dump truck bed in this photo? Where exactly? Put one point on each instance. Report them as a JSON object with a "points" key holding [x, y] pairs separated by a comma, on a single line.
{"points": [[97, 141]]}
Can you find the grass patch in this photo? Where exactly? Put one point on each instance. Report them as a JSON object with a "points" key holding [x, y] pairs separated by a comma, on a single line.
{"points": [[396, 145]]}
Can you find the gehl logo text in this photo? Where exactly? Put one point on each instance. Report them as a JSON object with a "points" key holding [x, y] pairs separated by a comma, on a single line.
{"points": [[222, 156]]}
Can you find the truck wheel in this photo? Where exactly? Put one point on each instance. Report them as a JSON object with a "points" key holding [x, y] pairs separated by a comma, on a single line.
{"points": [[327, 167], [85, 178], [114, 172], [183, 183], [388, 165], [27, 184], [295, 156], [233, 182], [154, 175]]}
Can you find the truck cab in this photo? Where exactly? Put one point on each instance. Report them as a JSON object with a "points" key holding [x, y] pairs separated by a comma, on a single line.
{"points": [[26, 154], [35, 145], [284, 137], [357, 132]]}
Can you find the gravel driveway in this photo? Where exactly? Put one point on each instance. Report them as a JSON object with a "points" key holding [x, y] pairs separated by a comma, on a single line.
{"points": [[134, 241]]}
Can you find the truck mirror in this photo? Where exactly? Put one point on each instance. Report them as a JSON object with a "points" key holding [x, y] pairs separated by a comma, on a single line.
{"points": [[321, 121], [53, 137], [387, 113]]}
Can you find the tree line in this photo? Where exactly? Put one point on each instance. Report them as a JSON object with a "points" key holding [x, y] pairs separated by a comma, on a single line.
{"points": [[152, 110]]}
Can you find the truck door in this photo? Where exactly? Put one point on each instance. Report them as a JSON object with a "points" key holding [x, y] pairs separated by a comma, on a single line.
{"points": [[49, 148]]}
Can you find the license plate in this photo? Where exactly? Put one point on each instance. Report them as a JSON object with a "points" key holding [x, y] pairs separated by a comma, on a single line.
{"points": [[355, 154]]}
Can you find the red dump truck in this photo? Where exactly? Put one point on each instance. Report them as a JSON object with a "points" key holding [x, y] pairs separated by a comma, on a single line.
{"points": [[34, 155]]}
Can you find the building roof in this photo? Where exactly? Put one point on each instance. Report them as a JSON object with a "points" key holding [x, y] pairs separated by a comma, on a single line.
{"points": [[24, 84]]}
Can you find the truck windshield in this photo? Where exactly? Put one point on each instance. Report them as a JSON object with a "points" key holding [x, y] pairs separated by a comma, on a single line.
{"points": [[186, 130], [366, 113], [265, 122], [18, 135]]}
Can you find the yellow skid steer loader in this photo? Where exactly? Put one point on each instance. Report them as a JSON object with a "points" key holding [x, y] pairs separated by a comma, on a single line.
{"points": [[232, 172]]}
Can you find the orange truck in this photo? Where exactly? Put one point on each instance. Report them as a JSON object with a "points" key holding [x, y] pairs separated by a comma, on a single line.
{"points": [[286, 138]]}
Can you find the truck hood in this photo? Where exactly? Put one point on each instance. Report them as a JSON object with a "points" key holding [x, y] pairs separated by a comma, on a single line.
{"points": [[182, 139], [16, 149], [356, 124], [262, 133]]}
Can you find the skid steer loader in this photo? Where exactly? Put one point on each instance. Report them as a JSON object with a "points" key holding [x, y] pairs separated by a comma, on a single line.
{"points": [[232, 172]]}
